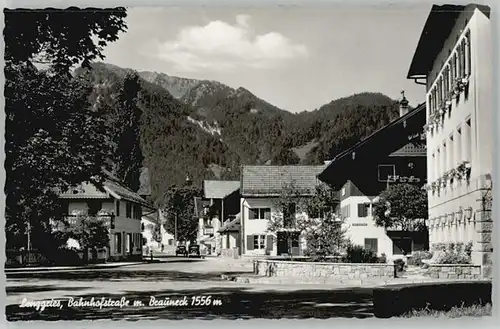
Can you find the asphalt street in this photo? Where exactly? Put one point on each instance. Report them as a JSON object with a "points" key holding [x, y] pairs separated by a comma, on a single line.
{"points": [[175, 288]]}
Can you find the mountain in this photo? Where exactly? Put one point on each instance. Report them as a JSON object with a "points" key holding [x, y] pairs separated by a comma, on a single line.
{"points": [[207, 130]]}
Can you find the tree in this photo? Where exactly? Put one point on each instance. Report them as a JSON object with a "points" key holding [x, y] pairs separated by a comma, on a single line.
{"points": [[53, 139], [91, 233], [327, 237], [127, 154], [402, 206], [61, 38], [309, 216], [179, 207]]}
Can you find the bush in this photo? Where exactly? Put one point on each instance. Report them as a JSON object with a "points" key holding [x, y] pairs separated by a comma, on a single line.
{"points": [[358, 254], [400, 264], [418, 256], [452, 253]]}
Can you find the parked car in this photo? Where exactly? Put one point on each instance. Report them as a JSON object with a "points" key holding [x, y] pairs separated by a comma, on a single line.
{"points": [[194, 251], [181, 250]]}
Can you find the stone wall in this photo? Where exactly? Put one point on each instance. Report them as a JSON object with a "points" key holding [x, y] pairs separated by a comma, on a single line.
{"points": [[454, 271], [340, 271]]}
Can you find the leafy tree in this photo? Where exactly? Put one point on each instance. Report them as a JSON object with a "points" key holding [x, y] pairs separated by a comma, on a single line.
{"points": [[91, 233], [179, 207], [402, 206], [128, 154], [309, 216], [61, 38], [53, 140]]}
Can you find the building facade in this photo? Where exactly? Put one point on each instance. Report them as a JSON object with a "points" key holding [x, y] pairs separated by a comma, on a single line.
{"points": [[219, 204], [393, 154], [454, 60], [120, 209], [149, 223], [261, 186]]}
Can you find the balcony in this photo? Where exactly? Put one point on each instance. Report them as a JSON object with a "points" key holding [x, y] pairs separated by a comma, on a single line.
{"points": [[208, 230]]}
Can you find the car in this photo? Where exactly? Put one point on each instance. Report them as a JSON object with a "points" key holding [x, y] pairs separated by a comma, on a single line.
{"points": [[181, 250], [194, 251]]}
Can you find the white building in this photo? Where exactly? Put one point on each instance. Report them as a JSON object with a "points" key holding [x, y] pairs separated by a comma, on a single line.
{"points": [[260, 188], [119, 207], [454, 61], [149, 222]]}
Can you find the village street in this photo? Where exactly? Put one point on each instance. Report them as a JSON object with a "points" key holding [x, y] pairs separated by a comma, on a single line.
{"points": [[176, 278]]}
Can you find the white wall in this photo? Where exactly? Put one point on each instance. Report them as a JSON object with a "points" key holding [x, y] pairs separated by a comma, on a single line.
{"points": [[446, 222], [259, 226], [361, 228]]}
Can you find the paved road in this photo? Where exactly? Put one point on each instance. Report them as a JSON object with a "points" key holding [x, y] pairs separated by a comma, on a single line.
{"points": [[177, 280]]}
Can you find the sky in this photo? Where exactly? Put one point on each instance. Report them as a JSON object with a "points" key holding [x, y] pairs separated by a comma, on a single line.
{"points": [[296, 58]]}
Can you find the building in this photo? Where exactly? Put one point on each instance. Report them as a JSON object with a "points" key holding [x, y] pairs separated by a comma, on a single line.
{"points": [[149, 223], [219, 205], [230, 237], [393, 154], [260, 188], [453, 59], [119, 207]]}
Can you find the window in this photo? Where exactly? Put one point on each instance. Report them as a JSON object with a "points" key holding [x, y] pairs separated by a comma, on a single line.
{"points": [[443, 158], [468, 53], [259, 241], [128, 210], [342, 191], [451, 149], [118, 243], [363, 210], [117, 208], [259, 213], [371, 245], [462, 58], [458, 147], [468, 141], [137, 212], [128, 243], [170, 242]]}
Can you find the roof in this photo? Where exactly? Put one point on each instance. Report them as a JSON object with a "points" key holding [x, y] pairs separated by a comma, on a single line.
{"points": [[269, 180], [112, 189], [386, 143], [219, 189], [436, 31], [234, 225]]}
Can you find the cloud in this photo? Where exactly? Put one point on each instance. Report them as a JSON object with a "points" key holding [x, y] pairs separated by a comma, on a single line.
{"points": [[221, 46]]}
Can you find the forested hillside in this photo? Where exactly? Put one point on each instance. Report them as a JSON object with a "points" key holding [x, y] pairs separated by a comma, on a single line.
{"points": [[207, 130]]}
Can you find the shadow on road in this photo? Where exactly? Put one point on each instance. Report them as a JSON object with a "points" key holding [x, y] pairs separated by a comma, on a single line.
{"points": [[117, 274], [236, 302]]}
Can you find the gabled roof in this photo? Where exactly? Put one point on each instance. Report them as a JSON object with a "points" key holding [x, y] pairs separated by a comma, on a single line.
{"points": [[436, 31], [219, 189], [232, 226], [270, 180], [112, 189], [383, 142]]}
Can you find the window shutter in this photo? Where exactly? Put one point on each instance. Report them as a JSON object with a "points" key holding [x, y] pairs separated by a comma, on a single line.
{"points": [[360, 209], [269, 243], [249, 242]]}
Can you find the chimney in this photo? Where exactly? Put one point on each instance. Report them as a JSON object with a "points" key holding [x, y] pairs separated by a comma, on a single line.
{"points": [[403, 105]]}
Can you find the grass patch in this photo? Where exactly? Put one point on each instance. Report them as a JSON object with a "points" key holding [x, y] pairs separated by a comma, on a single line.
{"points": [[455, 312]]}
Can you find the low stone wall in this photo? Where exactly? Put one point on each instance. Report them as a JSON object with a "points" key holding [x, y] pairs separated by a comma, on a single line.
{"points": [[230, 253], [340, 271], [454, 271]]}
